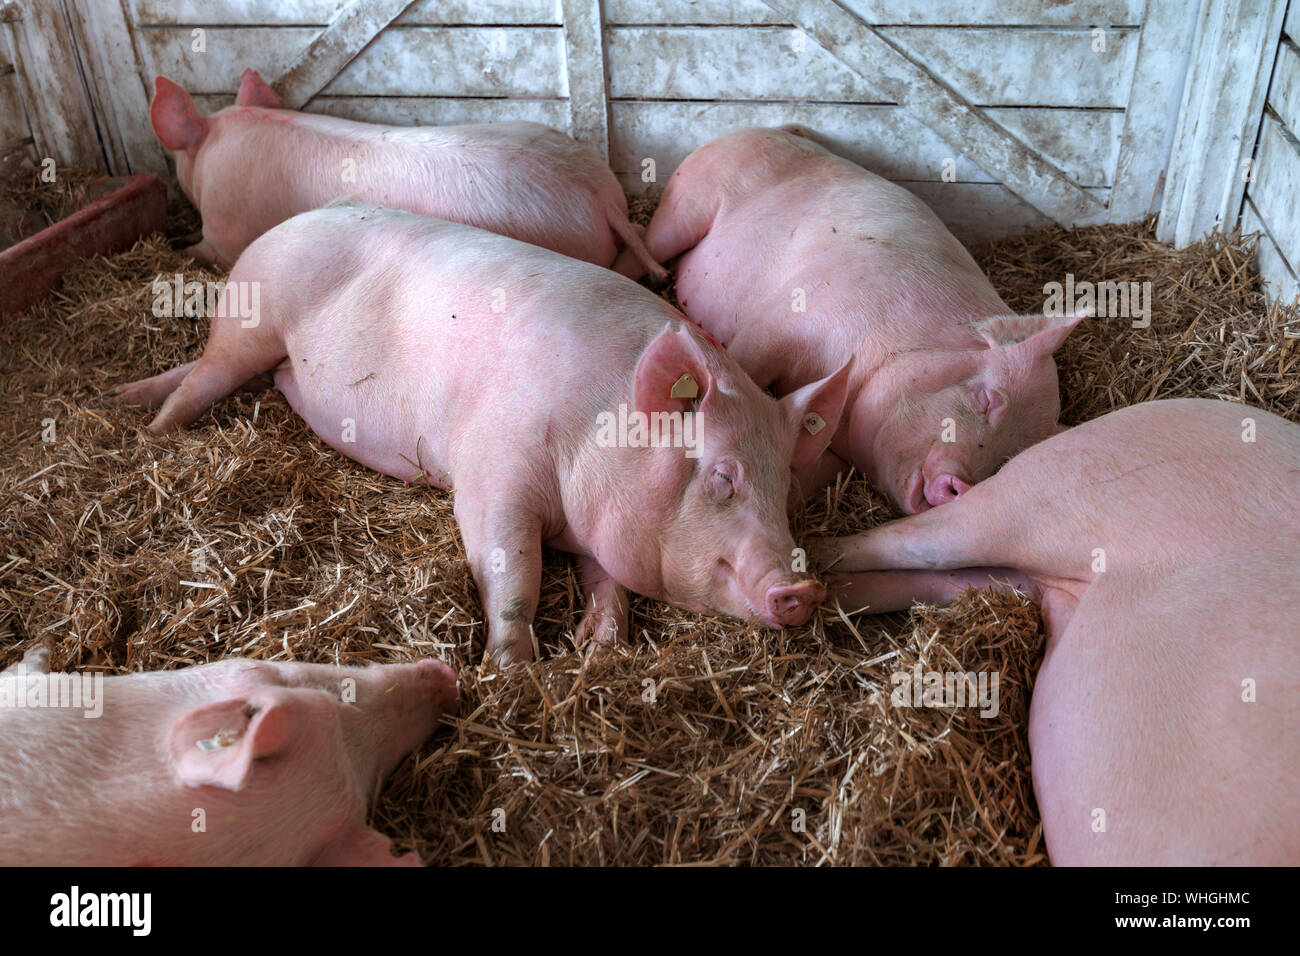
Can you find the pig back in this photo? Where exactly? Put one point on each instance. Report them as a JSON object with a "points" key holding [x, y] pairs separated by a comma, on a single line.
{"points": [[417, 329]]}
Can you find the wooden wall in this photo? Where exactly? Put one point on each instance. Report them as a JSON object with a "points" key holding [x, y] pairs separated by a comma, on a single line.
{"points": [[1272, 202]]}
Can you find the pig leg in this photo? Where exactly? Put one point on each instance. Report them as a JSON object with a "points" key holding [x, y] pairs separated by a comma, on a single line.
{"points": [[234, 355], [605, 618], [883, 591], [682, 219], [152, 392], [204, 252], [635, 259], [960, 534], [503, 543]]}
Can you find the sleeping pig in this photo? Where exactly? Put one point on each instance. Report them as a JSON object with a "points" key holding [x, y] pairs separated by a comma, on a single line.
{"points": [[798, 260], [253, 165], [1162, 543], [240, 762], [563, 402]]}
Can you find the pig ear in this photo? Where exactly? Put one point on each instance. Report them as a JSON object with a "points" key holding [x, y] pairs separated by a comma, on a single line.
{"points": [[254, 91], [673, 372], [362, 846], [216, 744], [1041, 333], [814, 412], [175, 118]]}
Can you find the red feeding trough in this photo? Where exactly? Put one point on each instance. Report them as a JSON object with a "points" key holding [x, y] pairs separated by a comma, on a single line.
{"points": [[122, 210]]}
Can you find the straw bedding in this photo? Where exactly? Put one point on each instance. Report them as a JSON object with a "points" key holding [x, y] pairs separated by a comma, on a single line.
{"points": [[702, 741]]}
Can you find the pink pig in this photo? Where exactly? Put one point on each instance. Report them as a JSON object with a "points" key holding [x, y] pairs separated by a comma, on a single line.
{"points": [[253, 165], [798, 260], [433, 351], [236, 763], [1162, 542]]}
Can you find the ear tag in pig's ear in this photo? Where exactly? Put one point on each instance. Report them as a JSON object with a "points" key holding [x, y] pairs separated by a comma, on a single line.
{"points": [[685, 387], [813, 423], [223, 738]]}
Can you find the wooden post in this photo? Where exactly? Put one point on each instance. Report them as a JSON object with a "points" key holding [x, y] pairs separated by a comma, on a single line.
{"points": [[58, 105], [1218, 124], [584, 56]]}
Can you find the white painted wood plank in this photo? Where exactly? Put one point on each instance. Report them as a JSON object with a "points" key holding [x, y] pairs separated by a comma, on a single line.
{"points": [[910, 12], [867, 53], [334, 48], [1049, 67], [420, 110], [1233, 53], [425, 61], [584, 64], [13, 119], [117, 89], [885, 139], [321, 12], [781, 63], [1276, 189], [58, 106], [976, 211], [1292, 27], [1164, 50], [1279, 278], [1284, 94]]}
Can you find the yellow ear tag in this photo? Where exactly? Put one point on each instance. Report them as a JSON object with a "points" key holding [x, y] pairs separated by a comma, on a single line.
{"points": [[684, 387], [813, 423]]}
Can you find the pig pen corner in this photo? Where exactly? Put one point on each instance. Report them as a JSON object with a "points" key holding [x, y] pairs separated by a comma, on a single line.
{"points": [[700, 740]]}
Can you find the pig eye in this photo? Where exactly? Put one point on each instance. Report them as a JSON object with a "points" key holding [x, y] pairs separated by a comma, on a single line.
{"points": [[721, 485], [988, 401]]}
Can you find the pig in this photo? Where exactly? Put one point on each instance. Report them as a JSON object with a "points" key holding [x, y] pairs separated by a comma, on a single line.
{"points": [[253, 165], [1161, 541], [443, 354], [281, 758], [798, 260]]}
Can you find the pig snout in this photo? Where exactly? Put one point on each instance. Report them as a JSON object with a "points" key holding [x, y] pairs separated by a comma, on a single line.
{"points": [[411, 699], [791, 604], [944, 488]]}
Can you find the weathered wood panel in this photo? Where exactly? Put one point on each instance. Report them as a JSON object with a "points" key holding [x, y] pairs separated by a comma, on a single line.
{"points": [[911, 12], [885, 139], [334, 48], [320, 12], [117, 90], [1292, 27], [1233, 54], [1276, 190], [994, 66], [421, 110], [13, 118], [1284, 94], [1279, 277], [420, 61], [59, 110], [584, 61], [976, 211], [1151, 117]]}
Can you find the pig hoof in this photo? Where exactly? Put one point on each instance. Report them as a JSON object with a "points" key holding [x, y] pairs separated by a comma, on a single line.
{"points": [[442, 685]]}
